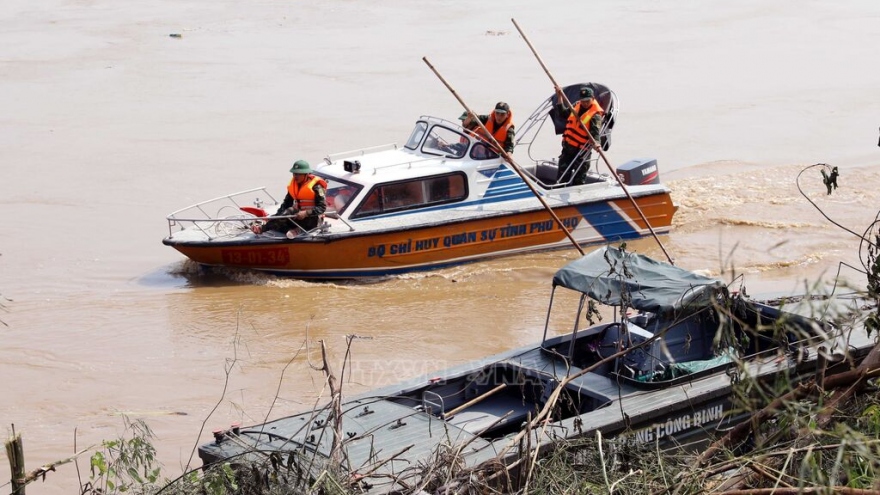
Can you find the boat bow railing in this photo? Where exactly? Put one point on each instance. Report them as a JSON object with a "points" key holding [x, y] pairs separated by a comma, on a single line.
{"points": [[232, 210]]}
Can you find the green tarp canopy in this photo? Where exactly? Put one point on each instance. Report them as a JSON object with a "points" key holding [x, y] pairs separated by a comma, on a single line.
{"points": [[650, 285]]}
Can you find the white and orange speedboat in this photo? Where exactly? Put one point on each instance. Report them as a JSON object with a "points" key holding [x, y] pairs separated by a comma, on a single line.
{"points": [[443, 198]]}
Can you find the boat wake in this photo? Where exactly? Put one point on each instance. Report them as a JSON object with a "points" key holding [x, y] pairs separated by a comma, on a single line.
{"points": [[761, 267], [764, 224]]}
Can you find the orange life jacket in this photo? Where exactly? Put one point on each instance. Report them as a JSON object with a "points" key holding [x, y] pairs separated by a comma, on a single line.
{"points": [[499, 131], [305, 195], [576, 134]]}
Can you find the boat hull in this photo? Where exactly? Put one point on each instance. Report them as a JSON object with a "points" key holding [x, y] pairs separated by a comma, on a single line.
{"points": [[394, 251]]}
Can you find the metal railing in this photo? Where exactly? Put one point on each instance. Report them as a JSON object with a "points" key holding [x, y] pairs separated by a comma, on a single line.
{"points": [[229, 215], [206, 214]]}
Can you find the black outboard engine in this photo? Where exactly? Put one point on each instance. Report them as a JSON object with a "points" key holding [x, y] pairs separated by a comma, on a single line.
{"points": [[639, 172]]}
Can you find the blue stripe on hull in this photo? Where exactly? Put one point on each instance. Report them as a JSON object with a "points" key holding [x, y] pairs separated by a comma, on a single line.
{"points": [[607, 221], [505, 181]]}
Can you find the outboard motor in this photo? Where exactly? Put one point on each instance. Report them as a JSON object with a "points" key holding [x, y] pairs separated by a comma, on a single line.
{"points": [[639, 172]]}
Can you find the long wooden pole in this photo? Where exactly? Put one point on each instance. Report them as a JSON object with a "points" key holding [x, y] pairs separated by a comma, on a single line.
{"points": [[473, 401], [593, 142], [508, 157]]}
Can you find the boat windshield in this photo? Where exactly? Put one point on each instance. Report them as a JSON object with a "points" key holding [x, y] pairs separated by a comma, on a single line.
{"points": [[340, 194], [446, 142], [416, 137], [440, 140]]}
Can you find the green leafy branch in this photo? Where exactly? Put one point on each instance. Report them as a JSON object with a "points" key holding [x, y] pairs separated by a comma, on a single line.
{"points": [[127, 463]]}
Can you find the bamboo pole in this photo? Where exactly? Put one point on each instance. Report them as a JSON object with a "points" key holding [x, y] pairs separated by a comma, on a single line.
{"points": [[593, 142], [516, 168], [21, 478], [473, 401], [15, 453]]}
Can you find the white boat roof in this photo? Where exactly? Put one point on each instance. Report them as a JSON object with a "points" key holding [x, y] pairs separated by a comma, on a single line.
{"points": [[419, 157]]}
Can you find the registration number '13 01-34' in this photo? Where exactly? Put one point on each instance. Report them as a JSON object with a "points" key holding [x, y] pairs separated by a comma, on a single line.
{"points": [[265, 256]]}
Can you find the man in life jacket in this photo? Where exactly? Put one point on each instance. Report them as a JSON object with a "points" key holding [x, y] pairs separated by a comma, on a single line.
{"points": [[469, 124], [499, 124], [304, 203], [469, 121], [574, 140]]}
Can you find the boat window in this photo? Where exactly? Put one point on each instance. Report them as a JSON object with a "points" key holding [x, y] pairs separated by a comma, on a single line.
{"points": [[415, 193], [402, 195], [417, 134], [371, 205], [482, 151], [445, 142], [437, 189], [340, 197]]}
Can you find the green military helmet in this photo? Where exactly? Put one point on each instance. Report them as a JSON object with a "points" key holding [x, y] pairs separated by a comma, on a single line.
{"points": [[301, 167]]}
